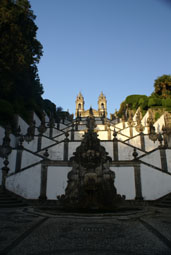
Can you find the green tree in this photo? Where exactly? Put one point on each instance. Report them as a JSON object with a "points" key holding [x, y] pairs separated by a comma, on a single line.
{"points": [[20, 53], [162, 86]]}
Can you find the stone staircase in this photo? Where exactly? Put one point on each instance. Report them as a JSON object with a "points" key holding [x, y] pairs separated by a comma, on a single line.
{"points": [[9, 200], [164, 201]]}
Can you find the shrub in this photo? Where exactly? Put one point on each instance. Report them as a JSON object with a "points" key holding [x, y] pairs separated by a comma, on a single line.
{"points": [[154, 101], [166, 102]]}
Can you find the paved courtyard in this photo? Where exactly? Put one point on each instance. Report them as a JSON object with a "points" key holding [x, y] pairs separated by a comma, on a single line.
{"points": [[29, 231]]}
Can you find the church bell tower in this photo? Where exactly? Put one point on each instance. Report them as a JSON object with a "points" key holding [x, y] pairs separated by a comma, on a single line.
{"points": [[79, 105], [102, 105]]}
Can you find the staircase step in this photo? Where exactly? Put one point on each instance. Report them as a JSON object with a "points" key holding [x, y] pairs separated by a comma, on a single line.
{"points": [[12, 205], [8, 200]]}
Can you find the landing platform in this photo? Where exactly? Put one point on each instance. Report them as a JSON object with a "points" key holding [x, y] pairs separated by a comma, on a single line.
{"points": [[33, 231]]}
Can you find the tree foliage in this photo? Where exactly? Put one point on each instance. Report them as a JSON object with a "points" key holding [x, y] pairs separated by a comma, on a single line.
{"points": [[162, 86], [20, 53], [160, 98]]}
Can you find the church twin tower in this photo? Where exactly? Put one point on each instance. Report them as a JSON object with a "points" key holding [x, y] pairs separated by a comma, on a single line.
{"points": [[102, 107]]}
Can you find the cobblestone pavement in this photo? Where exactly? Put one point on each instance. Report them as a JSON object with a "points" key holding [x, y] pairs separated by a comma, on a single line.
{"points": [[28, 231]]}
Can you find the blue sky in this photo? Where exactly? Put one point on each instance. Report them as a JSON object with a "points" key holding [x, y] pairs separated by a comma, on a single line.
{"points": [[116, 46]]}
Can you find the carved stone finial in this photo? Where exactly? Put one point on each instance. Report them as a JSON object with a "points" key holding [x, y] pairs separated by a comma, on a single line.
{"points": [[67, 136], [130, 119], [139, 127], [91, 124], [5, 148], [135, 154], [5, 170], [46, 154], [115, 135], [42, 128], [30, 132], [153, 135], [160, 139], [20, 142]]}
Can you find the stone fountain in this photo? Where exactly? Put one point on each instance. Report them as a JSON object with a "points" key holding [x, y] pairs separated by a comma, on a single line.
{"points": [[90, 182]]}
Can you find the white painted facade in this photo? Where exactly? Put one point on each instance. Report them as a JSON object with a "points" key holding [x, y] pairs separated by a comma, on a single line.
{"points": [[56, 181], [155, 184], [124, 181], [26, 183]]}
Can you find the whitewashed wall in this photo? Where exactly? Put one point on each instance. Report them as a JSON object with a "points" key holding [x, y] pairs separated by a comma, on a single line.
{"points": [[60, 138], [46, 142], [82, 127], [152, 158], [56, 152], [144, 119], [23, 125], [56, 181], [124, 181], [155, 184], [109, 148], [13, 141], [78, 135], [26, 183], [29, 159], [56, 132], [100, 127], [149, 144], [159, 123], [103, 135], [126, 132], [32, 145], [125, 152], [72, 148], [62, 126], [119, 125], [135, 132], [135, 141]]}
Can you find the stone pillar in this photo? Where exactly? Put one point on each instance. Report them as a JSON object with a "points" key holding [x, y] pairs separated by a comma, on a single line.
{"points": [[131, 131], [142, 141], [43, 184], [66, 142], [39, 142], [51, 132], [163, 159], [115, 147], [18, 159], [19, 154], [137, 175], [109, 134], [72, 133]]}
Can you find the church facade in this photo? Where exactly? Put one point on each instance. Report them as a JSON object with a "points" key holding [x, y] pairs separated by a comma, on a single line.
{"points": [[38, 159]]}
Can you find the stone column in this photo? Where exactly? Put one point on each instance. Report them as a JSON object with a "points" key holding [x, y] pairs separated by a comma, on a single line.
{"points": [[19, 154], [115, 147], [131, 131], [72, 133], [163, 159], [138, 188], [18, 159], [142, 141], [66, 142], [43, 184], [39, 142]]}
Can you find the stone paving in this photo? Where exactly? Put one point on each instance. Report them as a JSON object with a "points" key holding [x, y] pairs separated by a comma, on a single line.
{"points": [[28, 231]]}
